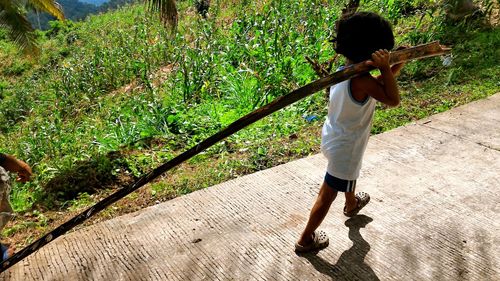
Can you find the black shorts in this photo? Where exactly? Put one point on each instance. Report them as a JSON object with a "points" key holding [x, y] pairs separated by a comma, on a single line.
{"points": [[340, 184]]}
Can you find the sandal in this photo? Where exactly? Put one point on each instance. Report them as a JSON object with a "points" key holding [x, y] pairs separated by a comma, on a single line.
{"points": [[362, 199], [320, 241]]}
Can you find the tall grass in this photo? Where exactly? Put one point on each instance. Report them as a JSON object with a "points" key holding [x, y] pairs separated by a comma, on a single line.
{"points": [[95, 100]]}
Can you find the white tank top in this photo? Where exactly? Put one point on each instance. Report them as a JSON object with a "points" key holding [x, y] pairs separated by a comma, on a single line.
{"points": [[346, 131]]}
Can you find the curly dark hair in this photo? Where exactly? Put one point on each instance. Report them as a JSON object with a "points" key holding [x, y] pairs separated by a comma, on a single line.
{"points": [[360, 34]]}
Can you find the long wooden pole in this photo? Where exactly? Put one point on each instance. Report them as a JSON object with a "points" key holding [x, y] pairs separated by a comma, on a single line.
{"points": [[418, 52]]}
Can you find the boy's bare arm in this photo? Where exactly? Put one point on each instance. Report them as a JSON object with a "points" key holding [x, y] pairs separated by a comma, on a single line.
{"points": [[396, 69], [387, 91]]}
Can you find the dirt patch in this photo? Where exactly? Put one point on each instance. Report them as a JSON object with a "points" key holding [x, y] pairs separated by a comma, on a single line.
{"points": [[495, 15], [156, 78]]}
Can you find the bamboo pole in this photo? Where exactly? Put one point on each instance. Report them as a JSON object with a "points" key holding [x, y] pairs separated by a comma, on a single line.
{"points": [[417, 52]]}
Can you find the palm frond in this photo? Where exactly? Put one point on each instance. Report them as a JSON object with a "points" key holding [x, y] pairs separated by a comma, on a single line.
{"points": [[20, 30], [49, 6], [165, 9]]}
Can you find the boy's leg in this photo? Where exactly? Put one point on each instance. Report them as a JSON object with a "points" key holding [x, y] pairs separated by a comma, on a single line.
{"points": [[354, 203], [350, 201], [318, 213]]}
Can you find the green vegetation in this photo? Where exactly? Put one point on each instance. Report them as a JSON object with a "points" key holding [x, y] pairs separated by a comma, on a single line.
{"points": [[14, 23], [75, 11], [114, 96]]}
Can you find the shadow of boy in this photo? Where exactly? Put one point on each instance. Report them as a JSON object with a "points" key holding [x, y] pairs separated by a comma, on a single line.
{"points": [[351, 265]]}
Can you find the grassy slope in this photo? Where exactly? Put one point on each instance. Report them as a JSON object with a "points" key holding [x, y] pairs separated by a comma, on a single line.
{"points": [[114, 96]]}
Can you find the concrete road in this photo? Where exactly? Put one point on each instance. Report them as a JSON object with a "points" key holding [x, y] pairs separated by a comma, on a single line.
{"points": [[434, 215]]}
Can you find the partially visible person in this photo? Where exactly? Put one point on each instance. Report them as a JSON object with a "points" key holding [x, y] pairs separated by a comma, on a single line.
{"points": [[9, 163]]}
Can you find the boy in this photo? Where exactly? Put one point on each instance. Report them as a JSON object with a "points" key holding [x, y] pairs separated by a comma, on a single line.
{"points": [[23, 170], [360, 36]]}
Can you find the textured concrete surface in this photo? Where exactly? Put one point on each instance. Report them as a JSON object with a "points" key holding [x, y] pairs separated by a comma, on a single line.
{"points": [[433, 216]]}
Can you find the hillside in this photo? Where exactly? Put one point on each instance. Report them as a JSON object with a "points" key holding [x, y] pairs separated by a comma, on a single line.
{"points": [[94, 2], [76, 10], [116, 95], [73, 10]]}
